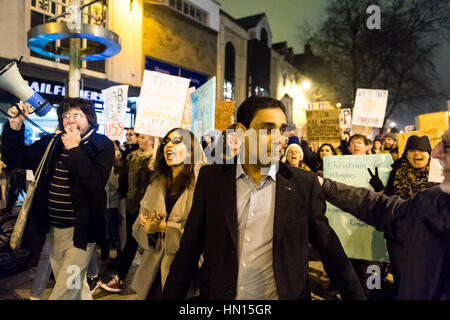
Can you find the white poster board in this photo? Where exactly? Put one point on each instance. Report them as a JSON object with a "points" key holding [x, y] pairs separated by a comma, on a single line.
{"points": [[436, 174], [161, 103], [114, 111], [370, 107]]}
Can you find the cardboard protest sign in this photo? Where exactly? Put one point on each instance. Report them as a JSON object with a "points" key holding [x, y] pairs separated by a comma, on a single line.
{"points": [[186, 121], [370, 107], [434, 135], [114, 111], [359, 240], [224, 114], [161, 103], [319, 105], [433, 120], [203, 108], [345, 119], [436, 173], [323, 125]]}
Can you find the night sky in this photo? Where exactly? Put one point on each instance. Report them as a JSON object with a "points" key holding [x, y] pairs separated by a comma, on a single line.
{"points": [[286, 15]]}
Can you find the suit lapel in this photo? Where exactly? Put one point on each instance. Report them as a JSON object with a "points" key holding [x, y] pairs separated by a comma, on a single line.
{"points": [[228, 200], [285, 189]]}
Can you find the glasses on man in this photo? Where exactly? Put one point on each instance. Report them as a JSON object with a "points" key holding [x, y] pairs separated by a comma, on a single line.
{"points": [[75, 116], [175, 140]]}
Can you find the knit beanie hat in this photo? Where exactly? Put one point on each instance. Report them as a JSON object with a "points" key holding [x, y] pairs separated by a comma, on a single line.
{"points": [[391, 135], [295, 146]]}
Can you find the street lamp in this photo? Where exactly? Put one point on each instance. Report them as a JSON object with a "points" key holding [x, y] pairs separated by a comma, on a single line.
{"points": [[306, 85], [338, 105], [392, 124]]}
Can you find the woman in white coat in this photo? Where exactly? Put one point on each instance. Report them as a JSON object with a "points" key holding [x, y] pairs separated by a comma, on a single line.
{"points": [[164, 210]]}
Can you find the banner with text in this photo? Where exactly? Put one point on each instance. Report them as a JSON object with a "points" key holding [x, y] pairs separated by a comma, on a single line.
{"points": [[370, 107], [203, 108], [359, 240], [114, 111], [323, 125], [224, 114], [161, 103]]}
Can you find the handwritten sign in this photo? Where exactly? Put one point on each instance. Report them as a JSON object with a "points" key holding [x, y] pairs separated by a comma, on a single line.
{"points": [[345, 119], [161, 103], [323, 125], [370, 107], [203, 108], [359, 240], [319, 105], [434, 135], [224, 114], [114, 111]]}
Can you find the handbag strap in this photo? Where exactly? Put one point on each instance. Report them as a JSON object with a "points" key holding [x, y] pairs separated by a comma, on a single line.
{"points": [[41, 164]]}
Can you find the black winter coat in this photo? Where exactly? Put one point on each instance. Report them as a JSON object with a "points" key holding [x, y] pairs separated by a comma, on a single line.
{"points": [[421, 226], [89, 168]]}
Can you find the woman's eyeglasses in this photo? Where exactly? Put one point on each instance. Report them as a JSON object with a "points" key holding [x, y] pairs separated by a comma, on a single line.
{"points": [[175, 140]]}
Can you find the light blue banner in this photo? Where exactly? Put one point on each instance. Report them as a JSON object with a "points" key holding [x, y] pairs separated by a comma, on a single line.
{"points": [[360, 241], [203, 108]]}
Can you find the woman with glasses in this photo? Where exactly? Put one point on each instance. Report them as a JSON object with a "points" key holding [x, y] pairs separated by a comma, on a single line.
{"points": [[164, 210]]}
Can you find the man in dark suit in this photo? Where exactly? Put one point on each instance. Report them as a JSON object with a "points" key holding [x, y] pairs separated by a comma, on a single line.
{"points": [[253, 222]]}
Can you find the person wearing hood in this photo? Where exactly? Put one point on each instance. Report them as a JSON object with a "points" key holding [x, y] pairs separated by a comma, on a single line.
{"points": [[70, 198]]}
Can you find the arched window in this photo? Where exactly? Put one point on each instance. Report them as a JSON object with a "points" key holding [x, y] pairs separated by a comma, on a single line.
{"points": [[228, 84]]}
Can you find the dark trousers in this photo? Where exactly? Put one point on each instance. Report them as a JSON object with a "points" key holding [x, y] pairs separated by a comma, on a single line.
{"points": [[129, 251]]}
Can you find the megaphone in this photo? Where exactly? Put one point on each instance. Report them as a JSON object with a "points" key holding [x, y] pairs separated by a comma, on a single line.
{"points": [[12, 81]]}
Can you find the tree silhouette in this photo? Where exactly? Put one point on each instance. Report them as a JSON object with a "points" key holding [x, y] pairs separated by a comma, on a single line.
{"points": [[398, 57]]}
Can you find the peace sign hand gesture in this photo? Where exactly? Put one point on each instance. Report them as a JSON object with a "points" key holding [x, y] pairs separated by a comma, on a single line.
{"points": [[375, 181]]}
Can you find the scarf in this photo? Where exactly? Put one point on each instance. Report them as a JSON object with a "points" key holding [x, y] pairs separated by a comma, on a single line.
{"points": [[409, 180]]}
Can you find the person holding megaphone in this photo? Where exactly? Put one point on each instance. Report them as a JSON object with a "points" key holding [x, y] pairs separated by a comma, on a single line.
{"points": [[70, 199]]}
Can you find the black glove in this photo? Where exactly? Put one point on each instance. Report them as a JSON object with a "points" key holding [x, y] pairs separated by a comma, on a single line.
{"points": [[375, 181]]}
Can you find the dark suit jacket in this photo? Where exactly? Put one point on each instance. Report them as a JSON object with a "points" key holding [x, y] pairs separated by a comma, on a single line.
{"points": [[212, 229]]}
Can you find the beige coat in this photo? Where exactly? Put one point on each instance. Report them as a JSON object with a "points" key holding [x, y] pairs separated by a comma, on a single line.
{"points": [[162, 254]]}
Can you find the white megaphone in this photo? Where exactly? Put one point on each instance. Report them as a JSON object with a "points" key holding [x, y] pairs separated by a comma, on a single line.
{"points": [[12, 81]]}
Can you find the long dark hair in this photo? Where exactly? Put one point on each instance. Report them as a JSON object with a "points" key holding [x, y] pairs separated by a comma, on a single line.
{"points": [[326, 144], [186, 178]]}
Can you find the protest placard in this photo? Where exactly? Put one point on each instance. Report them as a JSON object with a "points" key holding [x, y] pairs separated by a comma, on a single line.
{"points": [[114, 111], [186, 121], [323, 125], [370, 107], [433, 120], [434, 135], [319, 105], [345, 119], [203, 108], [436, 174], [224, 114], [161, 103], [359, 240]]}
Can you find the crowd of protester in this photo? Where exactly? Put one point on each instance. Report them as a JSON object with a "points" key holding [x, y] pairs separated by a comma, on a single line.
{"points": [[149, 196]]}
